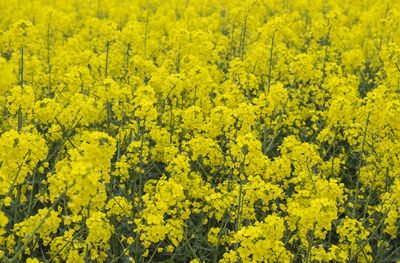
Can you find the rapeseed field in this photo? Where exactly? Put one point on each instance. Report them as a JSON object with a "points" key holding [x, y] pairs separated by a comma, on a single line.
{"points": [[199, 131]]}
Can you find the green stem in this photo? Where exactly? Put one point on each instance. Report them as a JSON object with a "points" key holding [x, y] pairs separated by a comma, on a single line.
{"points": [[270, 60], [359, 170]]}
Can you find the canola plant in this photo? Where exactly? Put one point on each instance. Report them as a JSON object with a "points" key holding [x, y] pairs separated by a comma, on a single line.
{"points": [[199, 131]]}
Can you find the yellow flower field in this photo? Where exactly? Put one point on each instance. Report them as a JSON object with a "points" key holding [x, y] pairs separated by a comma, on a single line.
{"points": [[199, 131]]}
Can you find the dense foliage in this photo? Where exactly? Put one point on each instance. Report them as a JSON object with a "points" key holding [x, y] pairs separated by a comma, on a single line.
{"points": [[199, 131]]}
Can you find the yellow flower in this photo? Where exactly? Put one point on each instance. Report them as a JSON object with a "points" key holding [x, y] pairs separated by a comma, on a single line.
{"points": [[7, 201]]}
